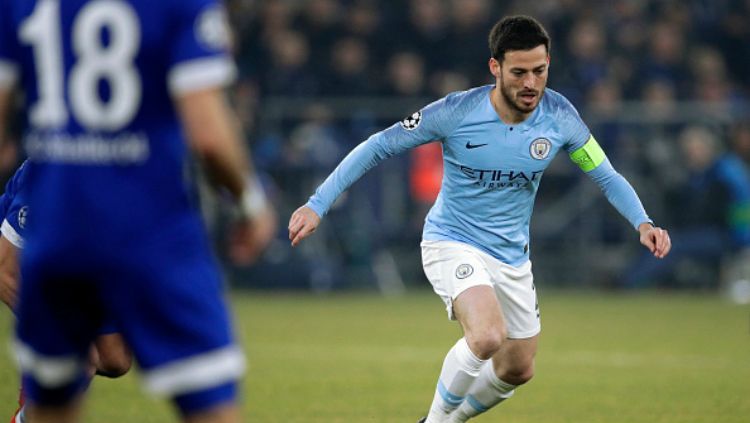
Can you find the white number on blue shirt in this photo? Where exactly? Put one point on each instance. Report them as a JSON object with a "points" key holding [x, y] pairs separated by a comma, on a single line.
{"points": [[95, 61]]}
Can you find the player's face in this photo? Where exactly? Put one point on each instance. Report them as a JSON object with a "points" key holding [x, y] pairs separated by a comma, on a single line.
{"points": [[522, 77]]}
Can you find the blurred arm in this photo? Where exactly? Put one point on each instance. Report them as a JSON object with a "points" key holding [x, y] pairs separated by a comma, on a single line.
{"points": [[8, 273], [5, 98], [213, 133]]}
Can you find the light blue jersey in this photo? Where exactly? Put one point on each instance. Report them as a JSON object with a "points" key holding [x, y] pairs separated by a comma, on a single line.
{"points": [[492, 170]]}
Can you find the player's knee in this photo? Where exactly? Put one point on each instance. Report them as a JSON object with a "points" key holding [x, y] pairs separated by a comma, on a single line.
{"points": [[486, 343], [114, 365], [518, 375]]}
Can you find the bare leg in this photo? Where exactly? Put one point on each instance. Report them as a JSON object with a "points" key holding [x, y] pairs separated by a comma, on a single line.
{"points": [[514, 362], [481, 318], [111, 355], [69, 413], [224, 413]]}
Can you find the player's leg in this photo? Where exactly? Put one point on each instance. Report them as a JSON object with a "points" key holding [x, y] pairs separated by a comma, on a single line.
{"points": [[167, 300], [227, 413], [513, 364], [111, 356], [510, 367], [459, 276], [480, 316], [57, 319], [69, 413]]}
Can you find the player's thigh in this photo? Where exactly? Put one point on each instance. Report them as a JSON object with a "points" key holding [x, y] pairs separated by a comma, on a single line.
{"points": [[173, 310], [58, 315], [168, 302], [114, 356], [515, 290], [453, 268], [479, 313]]}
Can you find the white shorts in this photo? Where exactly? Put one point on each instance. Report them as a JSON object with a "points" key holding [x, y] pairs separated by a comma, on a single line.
{"points": [[452, 267]]}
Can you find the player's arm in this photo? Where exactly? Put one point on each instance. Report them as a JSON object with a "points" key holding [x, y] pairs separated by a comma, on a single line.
{"points": [[420, 128], [8, 273], [5, 99], [214, 134], [591, 159]]}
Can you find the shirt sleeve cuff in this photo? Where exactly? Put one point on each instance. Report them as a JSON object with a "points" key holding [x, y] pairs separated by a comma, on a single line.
{"points": [[11, 235], [199, 74], [318, 208]]}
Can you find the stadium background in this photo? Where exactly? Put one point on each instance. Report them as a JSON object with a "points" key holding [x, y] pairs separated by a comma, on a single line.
{"points": [[317, 77]]}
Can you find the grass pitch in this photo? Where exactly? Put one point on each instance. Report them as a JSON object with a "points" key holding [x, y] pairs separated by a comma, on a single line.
{"points": [[656, 358]]}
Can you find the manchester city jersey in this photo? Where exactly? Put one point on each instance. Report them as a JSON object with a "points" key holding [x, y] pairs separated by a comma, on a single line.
{"points": [[492, 170], [107, 154]]}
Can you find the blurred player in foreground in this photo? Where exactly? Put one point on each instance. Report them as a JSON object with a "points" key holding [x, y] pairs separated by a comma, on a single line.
{"points": [[497, 141], [111, 87], [109, 356]]}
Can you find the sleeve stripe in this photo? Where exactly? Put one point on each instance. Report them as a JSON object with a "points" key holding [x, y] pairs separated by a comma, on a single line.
{"points": [[590, 156], [11, 235], [8, 73], [199, 74]]}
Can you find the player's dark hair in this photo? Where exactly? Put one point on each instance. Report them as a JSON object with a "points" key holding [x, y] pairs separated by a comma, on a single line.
{"points": [[516, 33]]}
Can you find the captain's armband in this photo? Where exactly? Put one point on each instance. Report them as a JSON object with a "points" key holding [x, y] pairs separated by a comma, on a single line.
{"points": [[590, 156]]}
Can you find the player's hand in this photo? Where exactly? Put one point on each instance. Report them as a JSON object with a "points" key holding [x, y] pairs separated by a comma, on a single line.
{"points": [[249, 237], [655, 239], [9, 291], [303, 222]]}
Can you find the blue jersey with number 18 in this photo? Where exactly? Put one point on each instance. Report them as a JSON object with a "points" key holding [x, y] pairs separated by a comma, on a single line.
{"points": [[107, 154]]}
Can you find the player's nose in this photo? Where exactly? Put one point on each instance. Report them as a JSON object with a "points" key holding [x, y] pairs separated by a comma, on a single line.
{"points": [[529, 82]]}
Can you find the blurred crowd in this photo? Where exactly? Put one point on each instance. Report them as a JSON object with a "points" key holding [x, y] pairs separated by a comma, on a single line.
{"points": [[654, 51]]}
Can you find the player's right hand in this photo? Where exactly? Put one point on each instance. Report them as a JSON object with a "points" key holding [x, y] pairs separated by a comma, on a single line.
{"points": [[249, 237], [304, 221]]}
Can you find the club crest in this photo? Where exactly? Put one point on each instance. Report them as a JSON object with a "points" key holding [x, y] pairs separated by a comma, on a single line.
{"points": [[464, 271], [540, 148]]}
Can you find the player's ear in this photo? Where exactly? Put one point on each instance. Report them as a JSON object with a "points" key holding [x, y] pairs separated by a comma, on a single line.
{"points": [[494, 65]]}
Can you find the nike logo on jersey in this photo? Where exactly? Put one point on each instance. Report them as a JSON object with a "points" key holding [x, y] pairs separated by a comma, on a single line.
{"points": [[469, 145]]}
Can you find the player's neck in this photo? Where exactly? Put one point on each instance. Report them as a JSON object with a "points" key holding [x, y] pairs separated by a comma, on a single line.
{"points": [[507, 113]]}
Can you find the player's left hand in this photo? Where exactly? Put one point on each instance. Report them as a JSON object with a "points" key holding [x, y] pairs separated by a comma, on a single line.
{"points": [[303, 223], [249, 237], [655, 239]]}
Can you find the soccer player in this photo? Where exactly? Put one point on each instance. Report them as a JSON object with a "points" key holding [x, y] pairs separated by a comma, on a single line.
{"points": [[115, 93], [109, 356], [497, 141]]}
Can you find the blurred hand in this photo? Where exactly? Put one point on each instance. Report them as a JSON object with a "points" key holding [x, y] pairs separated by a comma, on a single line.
{"points": [[304, 221], [655, 239], [250, 237], [9, 291]]}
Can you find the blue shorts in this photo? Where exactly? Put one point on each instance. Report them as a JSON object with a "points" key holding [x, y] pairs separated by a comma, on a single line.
{"points": [[166, 296]]}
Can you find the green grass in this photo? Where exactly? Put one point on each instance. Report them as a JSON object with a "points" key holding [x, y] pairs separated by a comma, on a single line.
{"points": [[602, 358]]}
